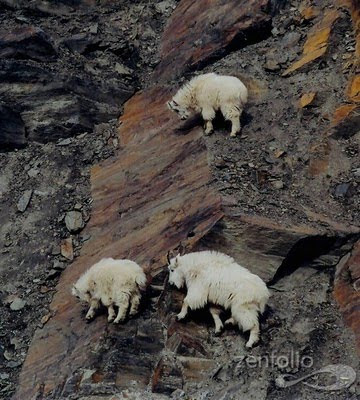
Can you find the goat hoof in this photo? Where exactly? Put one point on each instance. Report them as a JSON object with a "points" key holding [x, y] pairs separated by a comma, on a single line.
{"points": [[179, 319], [218, 333]]}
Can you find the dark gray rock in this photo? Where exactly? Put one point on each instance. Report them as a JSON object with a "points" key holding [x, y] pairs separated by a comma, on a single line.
{"points": [[27, 43], [24, 200], [53, 106], [12, 128], [81, 43]]}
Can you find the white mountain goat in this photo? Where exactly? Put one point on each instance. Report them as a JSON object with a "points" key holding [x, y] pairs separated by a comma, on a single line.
{"points": [[215, 278], [111, 283], [209, 93]]}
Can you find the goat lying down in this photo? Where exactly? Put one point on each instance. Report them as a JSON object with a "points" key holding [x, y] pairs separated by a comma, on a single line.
{"points": [[111, 283], [209, 93], [213, 277]]}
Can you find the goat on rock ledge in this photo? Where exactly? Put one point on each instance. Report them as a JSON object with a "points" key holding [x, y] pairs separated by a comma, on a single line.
{"points": [[213, 277], [209, 93], [111, 283]]}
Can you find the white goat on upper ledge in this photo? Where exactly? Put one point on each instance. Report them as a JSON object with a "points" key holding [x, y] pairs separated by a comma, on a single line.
{"points": [[209, 93], [216, 278], [111, 283]]}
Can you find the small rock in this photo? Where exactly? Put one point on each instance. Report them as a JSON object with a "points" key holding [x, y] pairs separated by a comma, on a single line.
{"points": [[64, 142], [341, 190], [58, 265], [17, 343], [66, 249], [55, 250], [272, 65], [17, 304], [94, 28], [164, 6], [74, 221], [356, 172], [277, 184], [85, 238], [14, 364], [24, 200], [8, 355], [78, 206], [53, 273], [122, 70], [33, 172], [44, 289], [4, 376], [220, 164], [45, 319], [307, 99]]}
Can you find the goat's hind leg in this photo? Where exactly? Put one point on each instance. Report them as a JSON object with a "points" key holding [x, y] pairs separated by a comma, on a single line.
{"points": [[232, 113], [134, 304], [111, 313], [247, 318], [215, 313], [122, 302]]}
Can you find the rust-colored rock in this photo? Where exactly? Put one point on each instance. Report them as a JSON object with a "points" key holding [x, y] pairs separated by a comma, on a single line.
{"points": [[353, 91], [347, 290], [154, 194], [306, 99], [308, 13], [346, 120], [201, 30], [317, 41]]}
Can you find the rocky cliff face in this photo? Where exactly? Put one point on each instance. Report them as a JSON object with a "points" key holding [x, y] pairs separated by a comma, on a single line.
{"points": [[282, 198]]}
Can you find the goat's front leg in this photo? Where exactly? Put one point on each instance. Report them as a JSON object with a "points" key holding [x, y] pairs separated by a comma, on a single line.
{"points": [[94, 305], [208, 115], [196, 298], [184, 311]]}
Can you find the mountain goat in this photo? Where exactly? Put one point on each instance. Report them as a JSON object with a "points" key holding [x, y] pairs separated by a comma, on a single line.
{"points": [[111, 283], [213, 277], [209, 93]]}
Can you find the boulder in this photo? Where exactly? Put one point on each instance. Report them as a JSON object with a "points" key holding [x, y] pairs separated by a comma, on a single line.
{"points": [[12, 128], [27, 43]]}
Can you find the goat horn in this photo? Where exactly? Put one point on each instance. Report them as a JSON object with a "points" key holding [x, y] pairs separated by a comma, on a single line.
{"points": [[168, 257]]}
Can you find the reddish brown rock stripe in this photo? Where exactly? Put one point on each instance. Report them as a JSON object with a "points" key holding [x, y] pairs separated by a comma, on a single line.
{"points": [[198, 30], [147, 199]]}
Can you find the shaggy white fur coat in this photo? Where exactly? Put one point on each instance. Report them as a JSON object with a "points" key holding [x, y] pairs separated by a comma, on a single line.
{"points": [[209, 93], [111, 283], [213, 277]]}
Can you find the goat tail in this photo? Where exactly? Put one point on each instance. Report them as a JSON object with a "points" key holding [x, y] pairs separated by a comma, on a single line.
{"points": [[141, 281]]}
